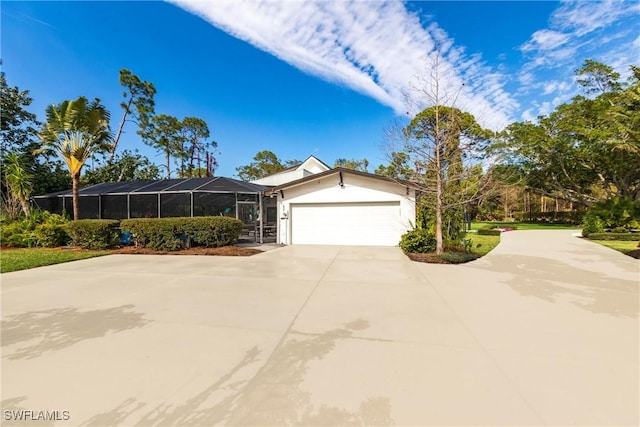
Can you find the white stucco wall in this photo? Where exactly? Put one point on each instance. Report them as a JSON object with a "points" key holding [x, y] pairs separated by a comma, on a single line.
{"points": [[356, 189], [281, 178]]}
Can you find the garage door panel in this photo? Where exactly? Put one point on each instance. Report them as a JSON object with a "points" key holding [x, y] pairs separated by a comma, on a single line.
{"points": [[372, 223]]}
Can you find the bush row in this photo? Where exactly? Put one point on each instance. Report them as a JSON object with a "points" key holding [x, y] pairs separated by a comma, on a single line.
{"points": [[170, 234], [51, 230], [94, 233], [488, 232], [615, 236], [566, 217]]}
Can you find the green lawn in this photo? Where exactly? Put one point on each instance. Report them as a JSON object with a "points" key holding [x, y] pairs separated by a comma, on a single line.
{"points": [[22, 259], [482, 245], [620, 246], [524, 225]]}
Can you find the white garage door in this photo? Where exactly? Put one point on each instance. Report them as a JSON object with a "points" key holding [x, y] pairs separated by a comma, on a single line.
{"points": [[371, 223]]}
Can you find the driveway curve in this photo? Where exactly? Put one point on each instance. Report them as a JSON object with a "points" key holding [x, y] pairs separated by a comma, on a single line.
{"points": [[544, 330]]}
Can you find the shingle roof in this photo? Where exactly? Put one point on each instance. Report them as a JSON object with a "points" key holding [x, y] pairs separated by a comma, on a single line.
{"points": [[341, 170]]}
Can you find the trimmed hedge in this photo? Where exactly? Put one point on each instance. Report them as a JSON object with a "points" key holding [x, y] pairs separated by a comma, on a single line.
{"points": [[500, 225], [94, 233], [418, 241], [627, 237], [564, 217], [51, 235], [170, 234], [488, 232]]}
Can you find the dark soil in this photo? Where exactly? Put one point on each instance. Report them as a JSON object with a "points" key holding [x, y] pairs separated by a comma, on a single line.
{"points": [[634, 253], [451, 256], [430, 258]]}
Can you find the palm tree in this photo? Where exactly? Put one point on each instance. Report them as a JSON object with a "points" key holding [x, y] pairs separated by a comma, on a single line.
{"points": [[19, 180], [76, 130]]}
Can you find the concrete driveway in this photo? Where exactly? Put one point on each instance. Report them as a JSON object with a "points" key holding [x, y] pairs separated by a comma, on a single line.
{"points": [[542, 331]]}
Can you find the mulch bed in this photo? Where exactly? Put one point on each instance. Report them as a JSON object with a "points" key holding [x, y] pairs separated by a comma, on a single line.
{"points": [[430, 258], [634, 253], [452, 255], [222, 251]]}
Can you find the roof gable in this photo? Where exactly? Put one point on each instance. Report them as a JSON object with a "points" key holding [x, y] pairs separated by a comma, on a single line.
{"points": [[313, 165], [337, 171]]}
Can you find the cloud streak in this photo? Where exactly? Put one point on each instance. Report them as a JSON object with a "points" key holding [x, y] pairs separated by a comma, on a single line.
{"points": [[578, 30], [375, 48]]}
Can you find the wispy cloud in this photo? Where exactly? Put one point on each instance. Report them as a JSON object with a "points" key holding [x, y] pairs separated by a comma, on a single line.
{"points": [[545, 40], [583, 17], [577, 30], [375, 48]]}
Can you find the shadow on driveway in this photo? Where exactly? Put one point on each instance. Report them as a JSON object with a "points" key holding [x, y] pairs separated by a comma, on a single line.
{"points": [[272, 397], [55, 329], [548, 280]]}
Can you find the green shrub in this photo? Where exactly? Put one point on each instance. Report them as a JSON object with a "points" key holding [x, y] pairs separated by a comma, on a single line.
{"points": [[592, 224], [619, 230], [615, 236], [94, 233], [418, 241], [47, 217], [488, 232], [457, 257], [614, 213], [170, 234], [18, 234], [42, 229], [159, 234], [51, 235]]}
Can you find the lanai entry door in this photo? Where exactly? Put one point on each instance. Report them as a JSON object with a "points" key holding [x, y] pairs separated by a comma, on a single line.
{"points": [[248, 214]]}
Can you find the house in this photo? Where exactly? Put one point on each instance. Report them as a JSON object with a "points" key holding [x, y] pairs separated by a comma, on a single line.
{"points": [[306, 204]]}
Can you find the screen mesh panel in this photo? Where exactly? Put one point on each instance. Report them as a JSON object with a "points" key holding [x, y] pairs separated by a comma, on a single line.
{"points": [[114, 207], [143, 205], [67, 206], [51, 204], [175, 204], [207, 204], [89, 207]]}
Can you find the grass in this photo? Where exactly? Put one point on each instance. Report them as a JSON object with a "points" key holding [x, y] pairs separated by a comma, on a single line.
{"points": [[22, 259], [621, 246], [523, 225], [482, 245]]}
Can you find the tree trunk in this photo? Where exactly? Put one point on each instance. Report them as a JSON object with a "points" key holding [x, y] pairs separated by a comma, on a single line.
{"points": [[439, 243], [120, 127], [183, 173], [75, 182], [505, 206], [25, 207], [168, 164], [192, 155]]}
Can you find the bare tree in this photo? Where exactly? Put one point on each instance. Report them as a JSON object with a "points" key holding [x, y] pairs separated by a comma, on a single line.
{"points": [[444, 145]]}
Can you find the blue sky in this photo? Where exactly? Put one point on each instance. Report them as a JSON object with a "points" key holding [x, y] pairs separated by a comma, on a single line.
{"points": [[321, 78]]}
